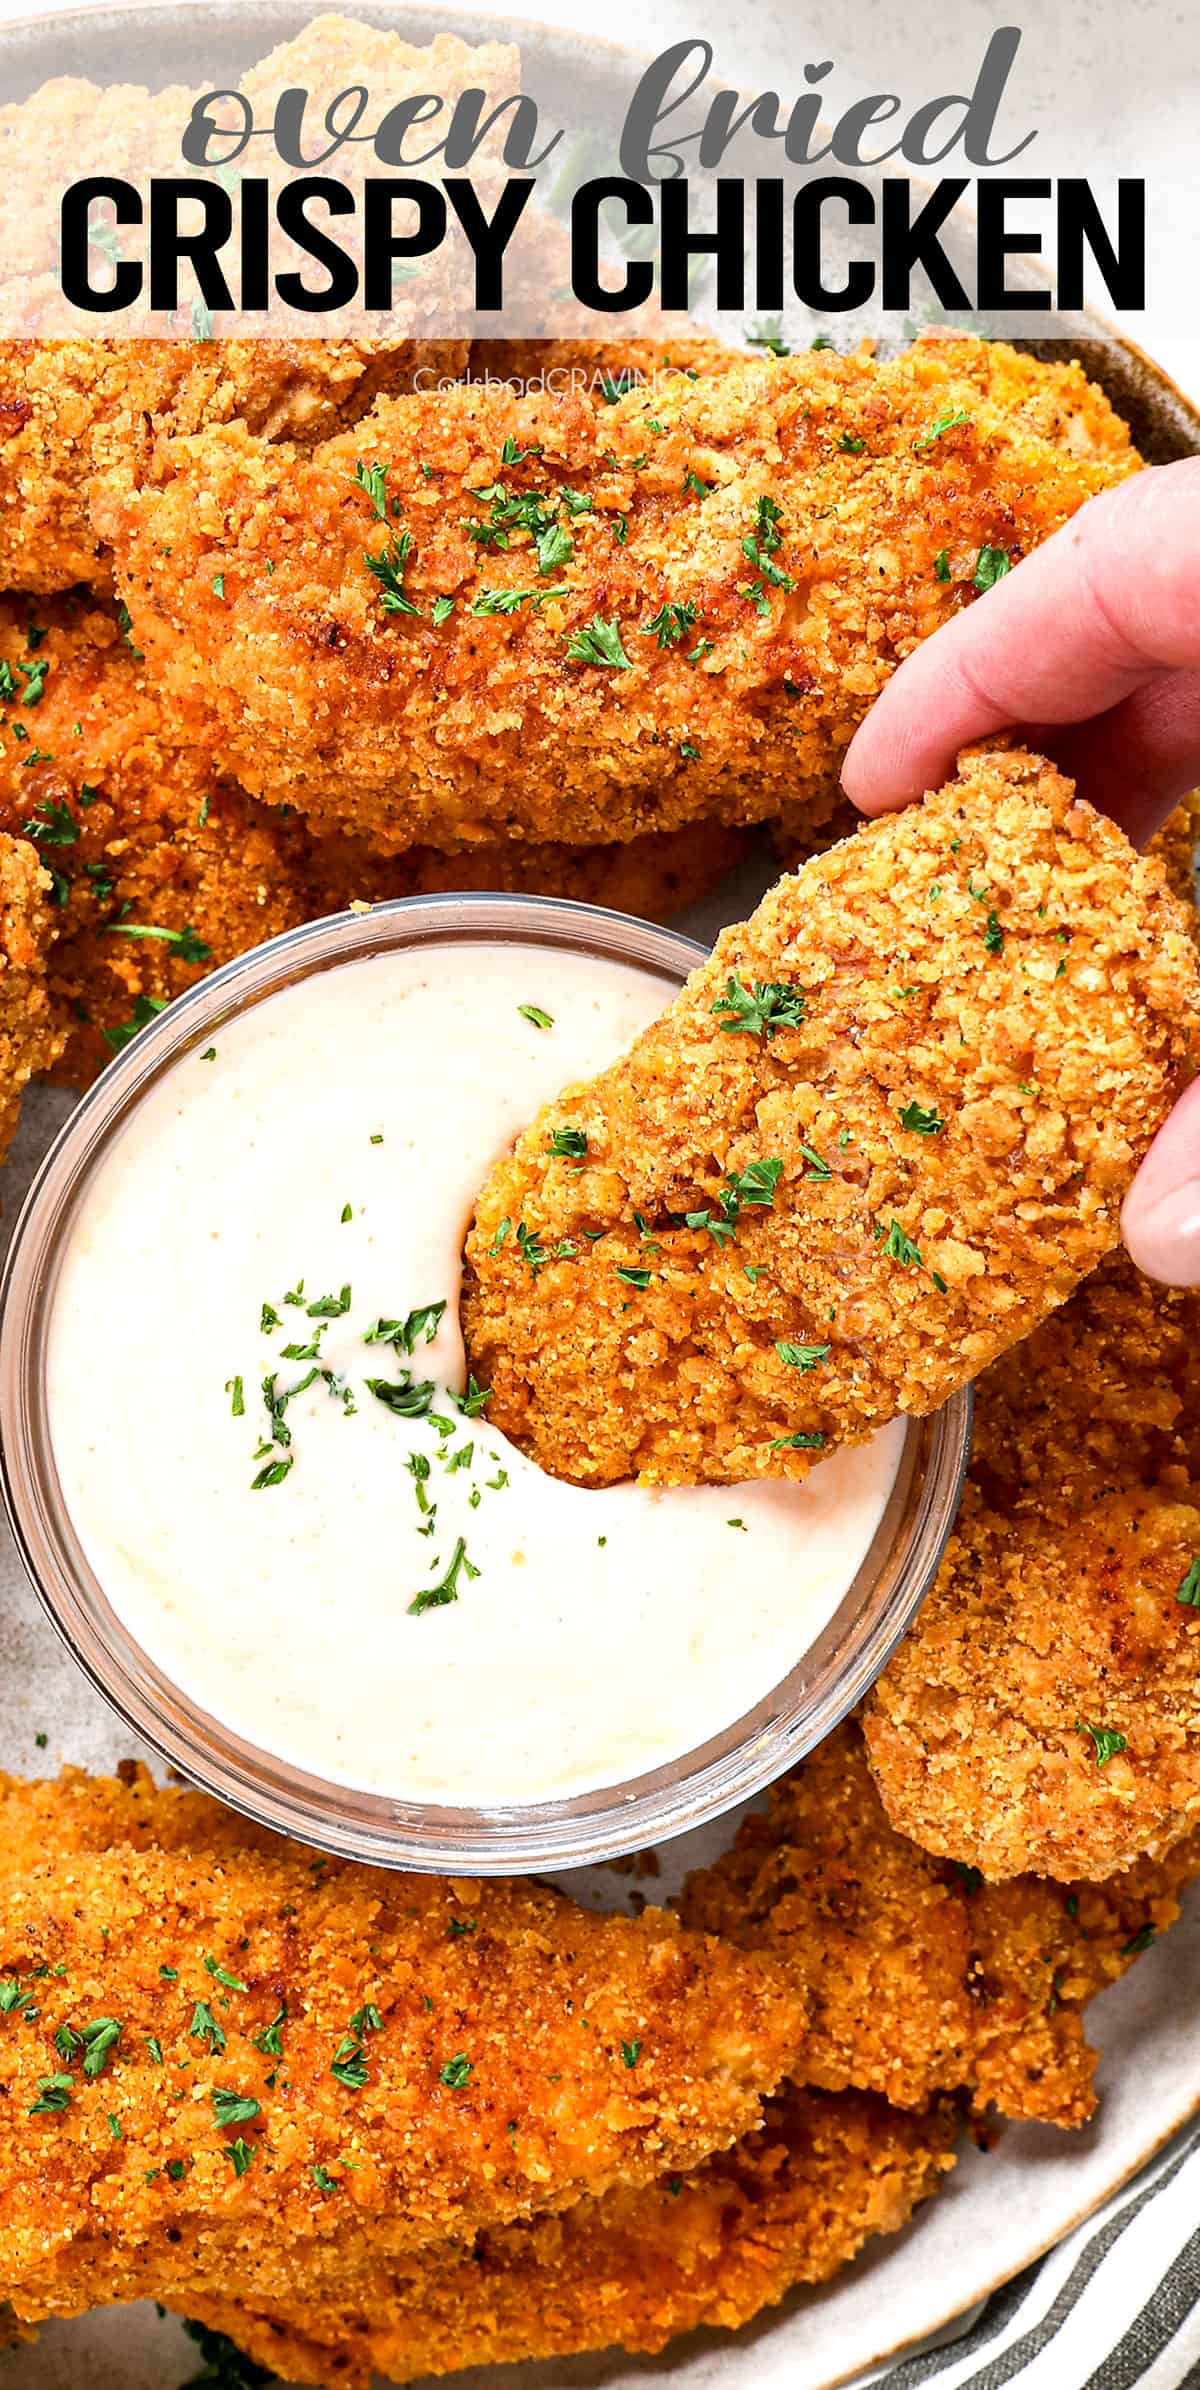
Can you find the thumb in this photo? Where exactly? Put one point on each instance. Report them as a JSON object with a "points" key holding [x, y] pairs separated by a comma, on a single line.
{"points": [[1160, 1219]]}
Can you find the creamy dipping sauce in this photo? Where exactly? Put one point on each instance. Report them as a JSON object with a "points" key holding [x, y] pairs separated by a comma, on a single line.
{"points": [[393, 1598]]}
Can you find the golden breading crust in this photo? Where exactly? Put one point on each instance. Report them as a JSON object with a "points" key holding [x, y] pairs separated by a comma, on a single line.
{"points": [[719, 576], [376, 2062], [923, 1978], [876, 1138], [792, 2203], [30, 1038], [71, 410], [141, 839], [1045, 1710]]}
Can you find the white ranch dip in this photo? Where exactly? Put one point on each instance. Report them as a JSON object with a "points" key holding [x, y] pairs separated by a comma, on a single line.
{"points": [[311, 1178]]}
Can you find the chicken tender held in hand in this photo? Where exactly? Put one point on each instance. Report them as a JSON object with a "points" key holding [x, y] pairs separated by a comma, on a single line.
{"points": [[30, 1037], [793, 2202], [923, 1978], [491, 612], [1045, 1710], [876, 1138]]}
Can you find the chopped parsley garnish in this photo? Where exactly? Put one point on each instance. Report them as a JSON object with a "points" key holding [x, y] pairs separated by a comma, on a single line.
{"points": [[849, 445], [456, 2073], [991, 565], [240, 2155], [511, 454], [237, 1397], [532, 1249], [475, 1401], [630, 2052], [941, 565], [405, 1397], [373, 479], [768, 335], [403, 1334], [220, 1974], [699, 488], [207, 2028], [772, 1005], [1106, 1742], [534, 1013], [441, 611], [389, 568], [598, 643], [921, 1120], [326, 1306], [1138, 1942], [1189, 1587], [145, 1010], [99, 2041], [803, 1356], [761, 546], [944, 423], [800, 1442], [568, 1145], [322, 2179], [633, 1277], [54, 2094], [899, 1247], [435, 1597], [52, 824], [993, 936], [670, 622], [233, 2107], [758, 1181], [506, 601], [192, 949]]}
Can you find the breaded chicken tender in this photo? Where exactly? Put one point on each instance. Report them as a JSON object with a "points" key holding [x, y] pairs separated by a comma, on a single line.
{"points": [[792, 2203], [30, 1038], [486, 611], [253, 2066], [878, 1135], [71, 410], [1045, 1710], [924, 1979], [162, 872]]}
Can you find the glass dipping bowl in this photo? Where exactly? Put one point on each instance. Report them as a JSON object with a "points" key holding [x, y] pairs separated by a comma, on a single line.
{"points": [[827, 1680]]}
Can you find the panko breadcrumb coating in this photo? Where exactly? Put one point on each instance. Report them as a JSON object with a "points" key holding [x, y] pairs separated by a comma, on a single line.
{"points": [[252, 2065], [1045, 1710], [792, 2203], [30, 1038], [162, 872], [923, 1978], [626, 617], [72, 409], [876, 1138]]}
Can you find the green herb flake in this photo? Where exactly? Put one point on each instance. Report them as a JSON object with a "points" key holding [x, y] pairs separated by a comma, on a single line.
{"points": [[921, 1120], [991, 565], [456, 2073], [1106, 1742], [599, 642], [534, 1014]]}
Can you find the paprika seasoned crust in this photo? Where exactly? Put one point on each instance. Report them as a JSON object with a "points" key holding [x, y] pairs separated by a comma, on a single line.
{"points": [[923, 1978], [792, 2203], [1045, 1710], [876, 1138], [162, 871], [487, 611], [30, 1037], [317, 2067]]}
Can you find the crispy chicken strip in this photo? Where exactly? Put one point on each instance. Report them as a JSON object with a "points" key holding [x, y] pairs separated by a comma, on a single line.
{"points": [[72, 410], [251, 2065], [30, 1038], [876, 1138], [545, 619], [1045, 1710], [792, 2203], [923, 1978], [162, 872]]}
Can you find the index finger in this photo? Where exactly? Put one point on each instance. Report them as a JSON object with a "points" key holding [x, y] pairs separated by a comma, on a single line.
{"points": [[1108, 604]]}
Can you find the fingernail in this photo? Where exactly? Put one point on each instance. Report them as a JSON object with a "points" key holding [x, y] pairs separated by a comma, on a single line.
{"points": [[1164, 1240]]}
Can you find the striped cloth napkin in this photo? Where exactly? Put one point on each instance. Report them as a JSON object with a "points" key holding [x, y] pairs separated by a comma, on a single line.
{"points": [[1116, 2303]]}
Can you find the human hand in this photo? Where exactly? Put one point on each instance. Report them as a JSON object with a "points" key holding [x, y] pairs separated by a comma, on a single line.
{"points": [[1091, 648]]}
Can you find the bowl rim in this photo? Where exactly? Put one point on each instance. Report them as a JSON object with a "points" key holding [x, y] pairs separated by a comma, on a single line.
{"points": [[829, 1678]]}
